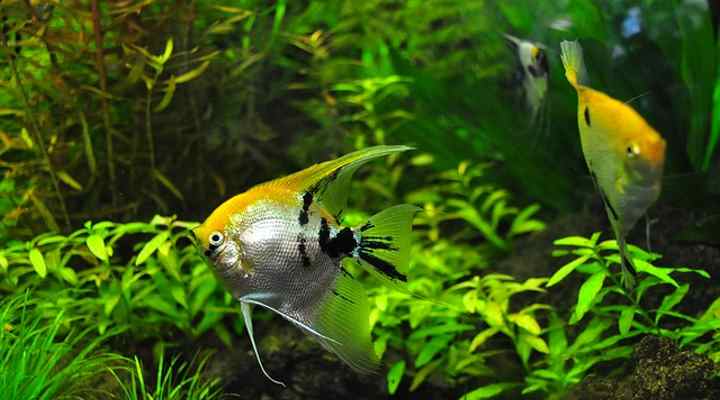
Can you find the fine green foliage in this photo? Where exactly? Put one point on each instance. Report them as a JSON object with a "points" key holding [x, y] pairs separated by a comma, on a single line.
{"points": [[40, 362], [175, 381]]}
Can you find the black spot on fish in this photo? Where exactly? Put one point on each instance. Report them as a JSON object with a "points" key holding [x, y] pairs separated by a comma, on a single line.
{"points": [[543, 62], [302, 247], [307, 201], [343, 243], [324, 235], [609, 206], [536, 72], [381, 265], [587, 116], [323, 183]]}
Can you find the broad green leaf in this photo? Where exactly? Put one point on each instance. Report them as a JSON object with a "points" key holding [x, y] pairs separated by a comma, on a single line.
{"points": [[488, 391], [589, 289], [557, 340], [449, 327], [96, 244], [192, 74], [700, 272], [38, 262], [566, 269], [167, 97], [470, 300], [159, 304], [110, 302], [661, 273], [151, 246], [52, 239], [178, 293], [201, 293], [431, 348], [380, 345], [593, 330], [421, 160], [209, 320], [421, 375], [69, 275], [482, 337], [536, 342], [526, 322], [3, 264], [493, 314], [577, 241], [394, 376], [671, 301], [162, 59], [625, 320]]}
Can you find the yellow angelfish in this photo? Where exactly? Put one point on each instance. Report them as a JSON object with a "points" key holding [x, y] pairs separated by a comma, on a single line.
{"points": [[280, 246], [624, 154]]}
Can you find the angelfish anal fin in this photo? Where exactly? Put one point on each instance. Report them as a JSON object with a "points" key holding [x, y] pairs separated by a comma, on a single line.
{"points": [[247, 316]]}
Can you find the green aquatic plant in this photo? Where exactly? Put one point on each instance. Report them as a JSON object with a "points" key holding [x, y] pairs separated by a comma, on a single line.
{"points": [[465, 194], [145, 277], [616, 314], [451, 311], [41, 362], [175, 380], [72, 128]]}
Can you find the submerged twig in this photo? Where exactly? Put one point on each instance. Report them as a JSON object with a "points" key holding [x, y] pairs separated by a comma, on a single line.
{"points": [[150, 136], [100, 65]]}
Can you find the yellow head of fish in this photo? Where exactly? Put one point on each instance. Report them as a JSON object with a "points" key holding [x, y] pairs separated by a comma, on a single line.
{"points": [[637, 144], [216, 234]]}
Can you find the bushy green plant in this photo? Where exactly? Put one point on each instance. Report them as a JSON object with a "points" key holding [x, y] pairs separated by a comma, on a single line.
{"points": [[617, 314], [145, 277], [451, 312]]}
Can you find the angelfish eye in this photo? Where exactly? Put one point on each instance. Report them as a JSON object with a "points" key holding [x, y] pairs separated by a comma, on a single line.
{"points": [[633, 150], [216, 239]]}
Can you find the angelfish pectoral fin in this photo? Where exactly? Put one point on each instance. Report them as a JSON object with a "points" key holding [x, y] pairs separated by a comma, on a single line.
{"points": [[247, 316]]}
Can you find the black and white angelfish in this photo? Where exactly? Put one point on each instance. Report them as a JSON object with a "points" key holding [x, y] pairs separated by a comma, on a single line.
{"points": [[280, 246]]}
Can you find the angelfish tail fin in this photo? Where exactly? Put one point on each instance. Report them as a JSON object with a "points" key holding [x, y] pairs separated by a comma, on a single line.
{"points": [[626, 264], [384, 243], [571, 54]]}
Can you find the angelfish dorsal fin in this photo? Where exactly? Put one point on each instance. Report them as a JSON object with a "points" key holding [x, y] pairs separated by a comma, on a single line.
{"points": [[328, 181], [247, 316]]}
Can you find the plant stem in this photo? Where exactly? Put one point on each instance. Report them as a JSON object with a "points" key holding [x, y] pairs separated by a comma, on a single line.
{"points": [[641, 311], [149, 133], [38, 138], [100, 65]]}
